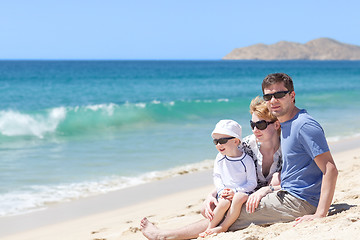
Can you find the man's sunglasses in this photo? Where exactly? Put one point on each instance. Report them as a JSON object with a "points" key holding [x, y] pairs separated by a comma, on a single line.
{"points": [[277, 95], [222, 140], [261, 125]]}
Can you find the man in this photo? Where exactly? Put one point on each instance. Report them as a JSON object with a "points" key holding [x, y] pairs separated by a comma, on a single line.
{"points": [[308, 176], [309, 171]]}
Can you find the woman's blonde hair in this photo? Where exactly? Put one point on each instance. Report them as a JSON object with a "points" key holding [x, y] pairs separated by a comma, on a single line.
{"points": [[258, 106]]}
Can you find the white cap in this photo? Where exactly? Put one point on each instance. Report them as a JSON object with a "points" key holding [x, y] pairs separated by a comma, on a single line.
{"points": [[228, 127]]}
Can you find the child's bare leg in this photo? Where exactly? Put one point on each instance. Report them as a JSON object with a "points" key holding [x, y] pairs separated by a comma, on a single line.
{"points": [[219, 213], [191, 231], [232, 214]]}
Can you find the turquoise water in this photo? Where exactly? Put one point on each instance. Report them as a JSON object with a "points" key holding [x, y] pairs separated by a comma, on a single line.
{"points": [[71, 129]]}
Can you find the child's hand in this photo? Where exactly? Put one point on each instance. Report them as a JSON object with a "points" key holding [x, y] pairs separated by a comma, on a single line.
{"points": [[227, 194]]}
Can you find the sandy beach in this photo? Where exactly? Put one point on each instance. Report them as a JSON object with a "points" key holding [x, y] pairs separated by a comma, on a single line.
{"points": [[175, 202]]}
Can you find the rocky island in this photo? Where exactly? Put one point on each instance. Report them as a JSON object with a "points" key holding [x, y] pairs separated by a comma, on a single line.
{"points": [[317, 49]]}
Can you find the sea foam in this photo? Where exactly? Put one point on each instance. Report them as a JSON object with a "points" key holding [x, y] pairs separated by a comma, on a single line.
{"points": [[77, 120], [13, 123], [39, 197]]}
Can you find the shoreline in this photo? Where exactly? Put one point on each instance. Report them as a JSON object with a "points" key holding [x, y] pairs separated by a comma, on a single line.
{"points": [[122, 198], [177, 200]]}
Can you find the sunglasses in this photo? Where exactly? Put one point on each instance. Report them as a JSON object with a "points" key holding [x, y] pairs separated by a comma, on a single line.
{"points": [[222, 140], [261, 125], [277, 95]]}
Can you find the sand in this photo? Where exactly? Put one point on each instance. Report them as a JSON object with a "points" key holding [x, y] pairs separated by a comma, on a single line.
{"points": [[176, 202]]}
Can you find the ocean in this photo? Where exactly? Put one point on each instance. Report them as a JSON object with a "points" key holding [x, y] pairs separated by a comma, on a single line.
{"points": [[74, 129]]}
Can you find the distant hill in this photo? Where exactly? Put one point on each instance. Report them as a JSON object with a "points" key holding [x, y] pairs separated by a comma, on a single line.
{"points": [[317, 49]]}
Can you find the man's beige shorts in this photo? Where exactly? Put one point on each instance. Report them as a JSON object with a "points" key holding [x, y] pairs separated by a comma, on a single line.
{"points": [[275, 207]]}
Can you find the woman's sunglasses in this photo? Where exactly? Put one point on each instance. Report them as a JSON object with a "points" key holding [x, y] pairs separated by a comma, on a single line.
{"points": [[261, 125], [277, 95], [222, 140]]}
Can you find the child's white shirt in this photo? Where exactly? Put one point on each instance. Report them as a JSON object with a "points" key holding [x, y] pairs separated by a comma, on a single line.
{"points": [[238, 174]]}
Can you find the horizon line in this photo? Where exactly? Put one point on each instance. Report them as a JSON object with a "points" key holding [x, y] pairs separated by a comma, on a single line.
{"points": [[171, 59]]}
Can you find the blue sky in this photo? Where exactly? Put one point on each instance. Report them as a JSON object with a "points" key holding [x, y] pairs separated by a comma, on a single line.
{"points": [[166, 29]]}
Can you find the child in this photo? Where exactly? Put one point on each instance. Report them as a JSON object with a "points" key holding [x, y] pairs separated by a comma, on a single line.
{"points": [[234, 176]]}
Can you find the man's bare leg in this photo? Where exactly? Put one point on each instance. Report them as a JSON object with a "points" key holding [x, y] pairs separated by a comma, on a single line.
{"points": [[151, 232]]}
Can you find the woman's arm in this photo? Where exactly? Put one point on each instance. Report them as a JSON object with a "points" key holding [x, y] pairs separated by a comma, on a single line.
{"points": [[209, 205], [276, 179], [255, 198]]}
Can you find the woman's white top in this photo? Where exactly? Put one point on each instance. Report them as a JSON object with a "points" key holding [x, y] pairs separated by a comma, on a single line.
{"points": [[252, 148]]}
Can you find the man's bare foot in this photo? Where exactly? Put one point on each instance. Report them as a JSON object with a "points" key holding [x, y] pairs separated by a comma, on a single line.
{"points": [[149, 230]]}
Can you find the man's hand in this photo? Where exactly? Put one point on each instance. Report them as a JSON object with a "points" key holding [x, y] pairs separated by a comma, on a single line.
{"points": [[305, 218]]}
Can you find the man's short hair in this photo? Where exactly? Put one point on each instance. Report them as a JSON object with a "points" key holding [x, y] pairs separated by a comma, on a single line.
{"points": [[278, 78]]}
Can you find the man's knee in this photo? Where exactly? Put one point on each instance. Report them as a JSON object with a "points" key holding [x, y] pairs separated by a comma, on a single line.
{"points": [[273, 208]]}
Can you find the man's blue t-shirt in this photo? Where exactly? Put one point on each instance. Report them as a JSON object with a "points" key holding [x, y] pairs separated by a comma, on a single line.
{"points": [[302, 139]]}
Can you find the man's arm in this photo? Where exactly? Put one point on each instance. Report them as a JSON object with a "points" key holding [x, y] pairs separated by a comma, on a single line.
{"points": [[327, 165]]}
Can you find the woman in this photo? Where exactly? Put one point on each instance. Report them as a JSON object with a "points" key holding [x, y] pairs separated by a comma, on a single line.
{"points": [[264, 147]]}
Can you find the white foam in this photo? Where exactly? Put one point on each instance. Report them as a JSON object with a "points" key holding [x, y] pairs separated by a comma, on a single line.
{"points": [[109, 108], [140, 105], [13, 123], [155, 102], [341, 138], [39, 197]]}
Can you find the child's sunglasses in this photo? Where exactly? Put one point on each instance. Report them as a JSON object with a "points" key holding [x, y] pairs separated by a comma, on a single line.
{"points": [[261, 125], [222, 140]]}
